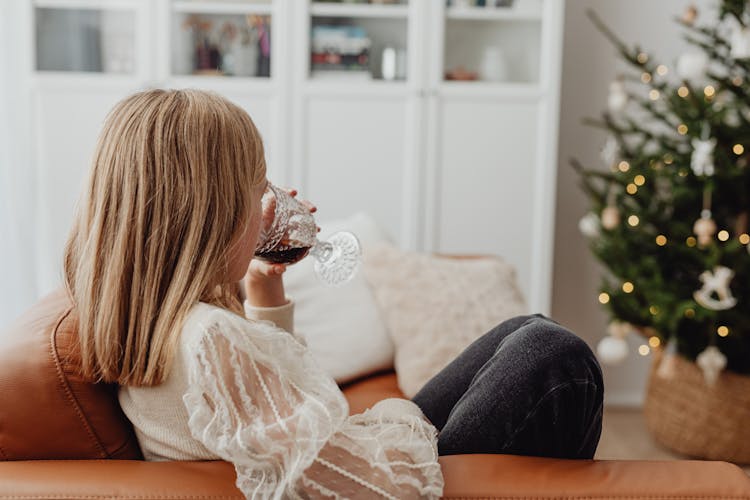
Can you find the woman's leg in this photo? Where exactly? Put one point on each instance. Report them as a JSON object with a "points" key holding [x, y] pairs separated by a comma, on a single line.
{"points": [[527, 387]]}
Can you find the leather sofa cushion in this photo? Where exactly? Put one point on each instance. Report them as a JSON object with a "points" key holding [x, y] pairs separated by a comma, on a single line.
{"points": [[48, 411], [365, 392]]}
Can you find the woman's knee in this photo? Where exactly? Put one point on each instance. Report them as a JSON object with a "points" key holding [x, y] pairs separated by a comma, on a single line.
{"points": [[556, 347]]}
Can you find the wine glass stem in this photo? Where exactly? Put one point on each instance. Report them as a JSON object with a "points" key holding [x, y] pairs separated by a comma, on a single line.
{"points": [[322, 251]]}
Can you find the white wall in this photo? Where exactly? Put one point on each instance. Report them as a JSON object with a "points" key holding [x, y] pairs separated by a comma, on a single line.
{"points": [[589, 65]]}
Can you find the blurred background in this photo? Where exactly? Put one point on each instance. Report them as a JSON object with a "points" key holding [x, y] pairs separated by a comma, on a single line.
{"points": [[451, 123]]}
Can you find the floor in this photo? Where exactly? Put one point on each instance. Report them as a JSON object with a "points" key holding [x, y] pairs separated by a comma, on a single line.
{"points": [[624, 436]]}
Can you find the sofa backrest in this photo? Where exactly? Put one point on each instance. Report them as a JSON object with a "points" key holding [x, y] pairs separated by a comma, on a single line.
{"points": [[47, 410]]}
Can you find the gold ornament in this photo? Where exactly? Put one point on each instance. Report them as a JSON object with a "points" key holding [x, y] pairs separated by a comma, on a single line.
{"points": [[610, 217], [690, 15], [705, 229], [619, 329]]}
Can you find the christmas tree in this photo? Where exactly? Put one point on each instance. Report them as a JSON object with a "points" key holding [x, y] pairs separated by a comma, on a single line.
{"points": [[669, 214]]}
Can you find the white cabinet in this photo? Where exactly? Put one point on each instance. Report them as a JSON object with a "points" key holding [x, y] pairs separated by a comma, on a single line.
{"points": [[380, 126]]}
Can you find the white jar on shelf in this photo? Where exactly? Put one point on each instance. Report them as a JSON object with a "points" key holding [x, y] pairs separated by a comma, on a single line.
{"points": [[493, 66]]}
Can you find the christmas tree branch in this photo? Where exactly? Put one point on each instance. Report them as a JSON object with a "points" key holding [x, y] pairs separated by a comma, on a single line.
{"points": [[629, 55]]}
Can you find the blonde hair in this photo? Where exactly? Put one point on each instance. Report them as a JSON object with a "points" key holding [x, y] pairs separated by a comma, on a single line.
{"points": [[170, 188]]}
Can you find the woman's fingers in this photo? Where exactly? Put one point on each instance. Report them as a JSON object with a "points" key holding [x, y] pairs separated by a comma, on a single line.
{"points": [[293, 193], [259, 267], [312, 208]]}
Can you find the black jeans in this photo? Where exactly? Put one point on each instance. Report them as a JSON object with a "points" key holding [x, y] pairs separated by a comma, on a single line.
{"points": [[526, 387]]}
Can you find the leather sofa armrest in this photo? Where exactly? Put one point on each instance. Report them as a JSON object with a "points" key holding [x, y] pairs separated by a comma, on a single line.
{"points": [[466, 476]]}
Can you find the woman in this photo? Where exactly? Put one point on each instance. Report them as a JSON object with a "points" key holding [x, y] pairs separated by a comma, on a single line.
{"points": [[167, 226]]}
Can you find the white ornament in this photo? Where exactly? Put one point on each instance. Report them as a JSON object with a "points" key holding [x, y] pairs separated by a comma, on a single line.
{"points": [[589, 225], [618, 98], [712, 362], [740, 43], [702, 160], [610, 151], [610, 217], [668, 364], [612, 350], [732, 118], [692, 65], [716, 282]]}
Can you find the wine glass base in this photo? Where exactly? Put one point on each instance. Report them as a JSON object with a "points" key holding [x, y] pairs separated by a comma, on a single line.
{"points": [[343, 265]]}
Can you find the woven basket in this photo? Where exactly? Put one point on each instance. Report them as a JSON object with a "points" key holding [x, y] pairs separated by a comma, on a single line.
{"points": [[687, 416]]}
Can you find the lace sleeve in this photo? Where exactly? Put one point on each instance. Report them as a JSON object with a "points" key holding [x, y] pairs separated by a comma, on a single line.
{"points": [[257, 398]]}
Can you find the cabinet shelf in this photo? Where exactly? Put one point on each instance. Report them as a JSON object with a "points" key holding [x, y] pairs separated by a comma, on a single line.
{"points": [[82, 81], [520, 13], [373, 88], [260, 84], [87, 4], [187, 6], [366, 10], [482, 90]]}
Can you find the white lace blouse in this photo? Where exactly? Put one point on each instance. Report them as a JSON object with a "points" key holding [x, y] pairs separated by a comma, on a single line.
{"points": [[249, 392]]}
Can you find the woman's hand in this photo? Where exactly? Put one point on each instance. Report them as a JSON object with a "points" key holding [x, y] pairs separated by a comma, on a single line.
{"points": [[263, 281]]}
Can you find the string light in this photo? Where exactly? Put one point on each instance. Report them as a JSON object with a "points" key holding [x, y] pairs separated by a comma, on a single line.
{"points": [[682, 129], [646, 78], [644, 350], [654, 95], [624, 166], [738, 149], [691, 241], [723, 331], [628, 287], [653, 310], [709, 91], [661, 240], [631, 188], [682, 172], [690, 313], [639, 180], [603, 298], [642, 58], [662, 70], [654, 342], [633, 220], [683, 91], [723, 235], [745, 238], [668, 159]]}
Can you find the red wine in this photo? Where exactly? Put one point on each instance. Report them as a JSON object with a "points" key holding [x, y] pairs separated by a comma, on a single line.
{"points": [[288, 256]]}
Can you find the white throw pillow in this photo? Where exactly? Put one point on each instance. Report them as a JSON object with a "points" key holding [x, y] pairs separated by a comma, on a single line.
{"points": [[434, 307], [342, 325]]}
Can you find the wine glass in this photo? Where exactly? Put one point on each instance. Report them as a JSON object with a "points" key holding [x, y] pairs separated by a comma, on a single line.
{"points": [[293, 234]]}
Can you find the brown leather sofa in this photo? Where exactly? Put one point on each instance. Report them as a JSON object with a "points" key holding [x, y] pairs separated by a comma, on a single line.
{"points": [[62, 437]]}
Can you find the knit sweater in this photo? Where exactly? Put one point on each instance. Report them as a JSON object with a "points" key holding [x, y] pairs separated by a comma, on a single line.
{"points": [[248, 391]]}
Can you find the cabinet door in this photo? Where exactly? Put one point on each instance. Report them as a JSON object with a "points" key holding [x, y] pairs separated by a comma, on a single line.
{"points": [[485, 180], [67, 123], [356, 152]]}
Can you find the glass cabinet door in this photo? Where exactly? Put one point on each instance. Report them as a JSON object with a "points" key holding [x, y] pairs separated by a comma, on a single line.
{"points": [[361, 40], [221, 38], [92, 40], [494, 41]]}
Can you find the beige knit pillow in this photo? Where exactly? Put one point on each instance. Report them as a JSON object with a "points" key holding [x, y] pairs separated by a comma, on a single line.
{"points": [[434, 307]]}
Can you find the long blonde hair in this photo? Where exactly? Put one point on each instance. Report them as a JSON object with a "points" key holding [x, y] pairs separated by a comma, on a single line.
{"points": [[169, 190]]}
